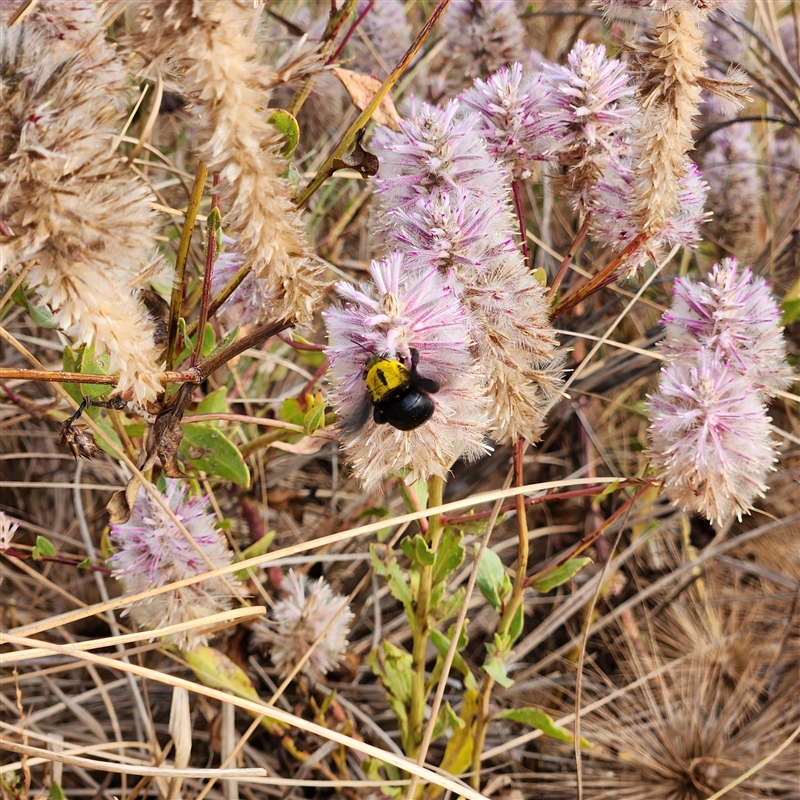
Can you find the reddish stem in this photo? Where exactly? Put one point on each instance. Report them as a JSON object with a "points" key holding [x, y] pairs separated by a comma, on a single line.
{"points": [[349, 33], [571, 253], [523, 232]]}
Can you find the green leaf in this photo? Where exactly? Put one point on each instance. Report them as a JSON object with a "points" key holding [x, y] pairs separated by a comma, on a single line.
{"points": [[289, 130], [449, 556], [534, 718], [442, 645], [458, 753], [394, 668], [108, 430], [315, 416], [517, 624], [292, 411], [417, 551], [93, 364], [209, 450], [213, 229], [42, 317], [256, 549], [446, 720], [85, 564], [610, 489], [791, 311], [790, 305], [445, 609], [492, 578], [215, 402], [45, 547], [56, 792], [385, 565], [213, 668], [560, 574], [495, 668], [35, 554]]}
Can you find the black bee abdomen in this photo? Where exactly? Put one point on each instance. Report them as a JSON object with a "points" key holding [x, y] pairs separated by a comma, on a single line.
{"points": [[405, 410]]}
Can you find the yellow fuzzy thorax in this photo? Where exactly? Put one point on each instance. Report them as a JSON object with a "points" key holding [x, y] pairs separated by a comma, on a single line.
{"points": [[384, 376]]}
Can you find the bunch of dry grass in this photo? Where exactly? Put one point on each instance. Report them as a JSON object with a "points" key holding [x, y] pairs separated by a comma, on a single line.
{"points": [[706, 688]]}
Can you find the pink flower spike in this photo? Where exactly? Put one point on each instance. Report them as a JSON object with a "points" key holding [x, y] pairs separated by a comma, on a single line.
{"points": [[736, 316], [710, 437], [150, 551], [401, 314]]}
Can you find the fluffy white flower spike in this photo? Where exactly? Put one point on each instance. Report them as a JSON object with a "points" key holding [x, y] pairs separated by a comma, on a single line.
{"points": [[150, 551], [299, 620], [406, 317]]}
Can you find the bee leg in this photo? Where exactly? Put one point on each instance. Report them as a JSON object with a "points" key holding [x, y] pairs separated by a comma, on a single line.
{"points": [[426, 384], [377, 415]]}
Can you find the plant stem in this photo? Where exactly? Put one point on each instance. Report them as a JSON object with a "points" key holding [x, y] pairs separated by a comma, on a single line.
{"points": [[180, 262], [325, 171], [573, 249], [523, 232], [421, 626], [507, 617]]}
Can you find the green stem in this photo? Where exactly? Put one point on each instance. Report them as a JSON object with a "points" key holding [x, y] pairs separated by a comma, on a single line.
{"points": [[421, 627], [507, 617], [180, 263]]}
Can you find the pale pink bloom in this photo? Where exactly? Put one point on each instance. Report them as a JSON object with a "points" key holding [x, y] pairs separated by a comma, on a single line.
{"points": [[151, 551], [299, 619], [710, 437]]}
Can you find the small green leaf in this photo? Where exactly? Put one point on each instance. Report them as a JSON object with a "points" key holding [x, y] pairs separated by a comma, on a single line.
{"points": [[442, 645], [385, 565], [541, 276], [291, 411], [445, 609], [534, 718], [45, 547], [213, 668], [791, 311], [85, 564], [35, 554], [56, 792], [314, 418], [610, 489], [92, 363], [42, 317], [215, 402], [560, 574], [449, 556], [209, 450], [108, 430], [213, 229], [417, 551], [446, 721], [491, 578], [256, 549], [515, 629], [495, 668], [289, 130]]}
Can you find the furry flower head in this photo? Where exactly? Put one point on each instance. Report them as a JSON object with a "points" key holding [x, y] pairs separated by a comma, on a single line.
{"points": [[405, 313], [710, 437], [303, 615], [150, 551], [736, 316]]}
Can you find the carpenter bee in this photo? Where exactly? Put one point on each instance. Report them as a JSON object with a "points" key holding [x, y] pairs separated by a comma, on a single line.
{"points": [[399, 395]]}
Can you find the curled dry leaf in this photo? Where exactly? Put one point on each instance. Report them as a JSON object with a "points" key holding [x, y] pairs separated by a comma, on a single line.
{"points": [[362, 88]]}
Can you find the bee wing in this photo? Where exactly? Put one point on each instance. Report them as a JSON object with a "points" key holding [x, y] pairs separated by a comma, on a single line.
{"points": [[356, 421]]}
